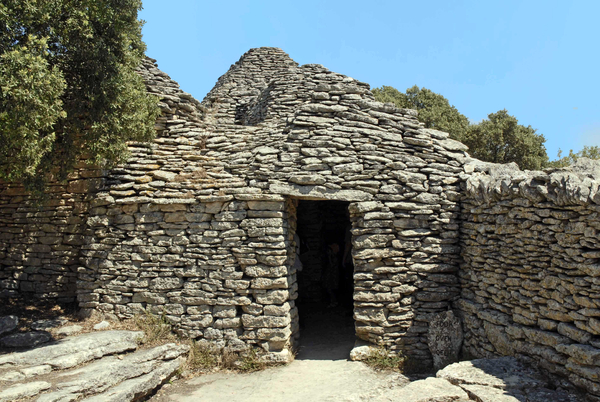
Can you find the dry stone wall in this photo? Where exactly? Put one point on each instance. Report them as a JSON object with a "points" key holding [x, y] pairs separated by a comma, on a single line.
{"points": [[530, 274], [200, 225], [40, 242]]}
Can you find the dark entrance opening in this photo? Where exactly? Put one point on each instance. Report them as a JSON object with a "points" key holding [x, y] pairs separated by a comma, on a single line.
{"points": [[325, 283]]}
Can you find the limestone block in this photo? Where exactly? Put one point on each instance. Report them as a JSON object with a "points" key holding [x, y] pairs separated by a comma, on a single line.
{"points": [[165, 283], [257, 271], [274, 334], [224, 311], [574, 333], [148, 297], [251, 321], [582, 354], [20, 391], [267, 283], [444, 339], [272, 297], [372, 241], [8, 323], [26, 339], [163, 175], [428, 390]]}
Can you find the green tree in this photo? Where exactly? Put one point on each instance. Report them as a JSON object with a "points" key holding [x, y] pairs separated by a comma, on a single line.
{"points": [[501, 139], [434, 110], [68, 86], [592, 152]]}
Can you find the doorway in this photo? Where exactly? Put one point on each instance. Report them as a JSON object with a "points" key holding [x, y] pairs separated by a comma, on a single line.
{"points": [[325, 283]]}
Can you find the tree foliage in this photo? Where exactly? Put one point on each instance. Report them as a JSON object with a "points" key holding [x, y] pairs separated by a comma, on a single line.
{"points": [[498, 139], [592, 152], [68, 86], [434, 110], [501, 139]]}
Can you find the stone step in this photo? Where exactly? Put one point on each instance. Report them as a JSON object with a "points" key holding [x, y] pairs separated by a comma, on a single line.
{"points": [[113, 376], [118, 378], [66, 353]]}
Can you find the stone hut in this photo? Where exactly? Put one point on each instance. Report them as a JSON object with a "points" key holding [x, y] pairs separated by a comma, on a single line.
{"points": [[201, 224], [205, 225]]}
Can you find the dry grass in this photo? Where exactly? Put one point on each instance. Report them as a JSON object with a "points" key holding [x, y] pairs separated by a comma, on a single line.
{"points": [[157, 330], [381, 359], [202, 357], [250, 361]]}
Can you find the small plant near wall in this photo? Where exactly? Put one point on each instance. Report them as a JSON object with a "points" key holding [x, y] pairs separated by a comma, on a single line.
{"points": [[202, 356], [381, 359], [156, 328]]}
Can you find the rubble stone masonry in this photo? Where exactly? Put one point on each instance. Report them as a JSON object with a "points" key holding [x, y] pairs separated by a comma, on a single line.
{"points": [[199, 225]]}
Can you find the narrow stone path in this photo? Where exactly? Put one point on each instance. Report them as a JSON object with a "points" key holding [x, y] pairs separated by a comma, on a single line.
{"points": [[109, 366], [320, 372]]}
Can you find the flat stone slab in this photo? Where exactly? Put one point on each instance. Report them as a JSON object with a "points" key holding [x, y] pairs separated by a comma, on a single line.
{"points": [[132, 375], [70, 352], [135, 388], [40, 325], [102, 325], [502, 373], [503, 380], [26, 339], [8, 323], [482, 393], [429, 390], [444, 339], [20, 391], [69, 330]]}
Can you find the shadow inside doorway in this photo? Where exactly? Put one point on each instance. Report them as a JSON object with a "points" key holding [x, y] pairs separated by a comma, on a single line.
{"points": [[325, 282], [326, 333]]}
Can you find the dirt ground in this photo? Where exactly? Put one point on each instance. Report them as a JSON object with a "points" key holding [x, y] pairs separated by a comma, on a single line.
{"points": [[320, 372]]}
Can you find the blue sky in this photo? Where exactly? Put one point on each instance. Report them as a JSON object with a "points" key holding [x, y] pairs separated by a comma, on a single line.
{"points": [[540, 60]]}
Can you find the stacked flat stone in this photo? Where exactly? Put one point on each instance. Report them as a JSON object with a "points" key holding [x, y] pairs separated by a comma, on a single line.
{"points": [[40, 243], [530, 274], [200, 225]]}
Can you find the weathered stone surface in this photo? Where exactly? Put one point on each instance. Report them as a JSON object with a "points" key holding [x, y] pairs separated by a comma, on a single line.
{"points": [[444, 339], [70, 352], [102, 325], [490, 394], [26, 339], [41, 325], [205, 217], [8, 323], [26, 372], [135, 388], [501, 373], [20, 391], [69, 330], [148, 367], [429, 390]]}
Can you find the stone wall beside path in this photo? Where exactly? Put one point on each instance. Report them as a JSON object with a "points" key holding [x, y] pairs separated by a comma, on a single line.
{"points": [[531, 274], [199, 225]]}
